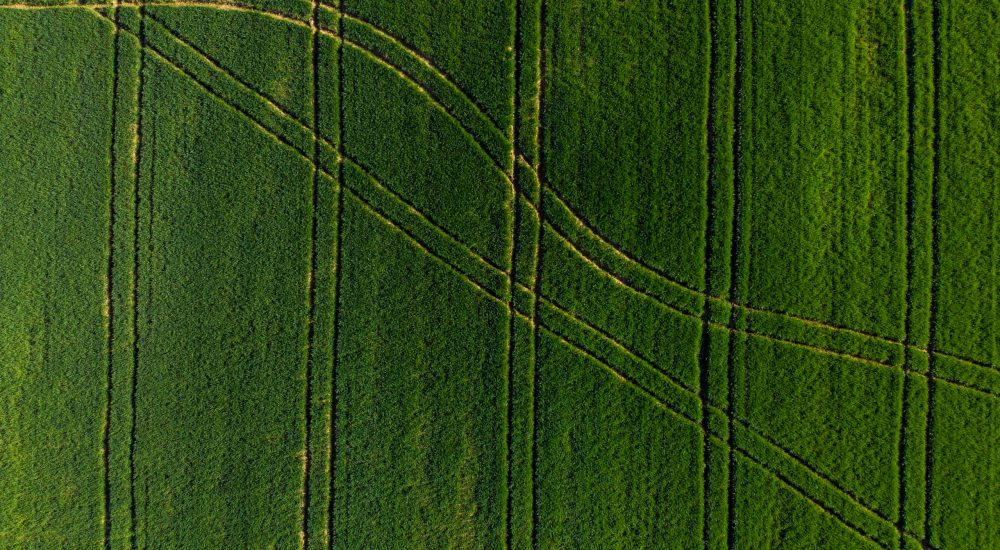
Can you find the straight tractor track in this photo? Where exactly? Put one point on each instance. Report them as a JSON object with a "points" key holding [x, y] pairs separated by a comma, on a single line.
{"points": [[337, 277], [734, 294], [514, 234], [538, 168], [935, 266], [135, 276], [704, 351], [109, 288], [908, 43], [311, 283]]}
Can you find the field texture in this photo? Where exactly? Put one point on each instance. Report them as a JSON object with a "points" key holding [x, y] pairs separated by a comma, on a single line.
{"points": [[500, 274]]}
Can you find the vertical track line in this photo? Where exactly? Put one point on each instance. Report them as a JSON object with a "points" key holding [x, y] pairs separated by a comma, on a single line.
{"points": [[311, 285], [734, 296], [514, 232], [935, 261], [509, 520], [705, 348], [909, 63], [539, 254], [331, 507], [135, 277], [109, 288]]}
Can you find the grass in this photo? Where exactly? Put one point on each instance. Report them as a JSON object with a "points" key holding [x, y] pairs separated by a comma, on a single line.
{"points": [[523, 274]]}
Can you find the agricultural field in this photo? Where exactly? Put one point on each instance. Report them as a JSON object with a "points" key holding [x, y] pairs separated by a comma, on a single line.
{"points": [[499, 274]]}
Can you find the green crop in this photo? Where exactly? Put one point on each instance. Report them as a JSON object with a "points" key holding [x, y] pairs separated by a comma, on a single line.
{"points": [[520, 274]]}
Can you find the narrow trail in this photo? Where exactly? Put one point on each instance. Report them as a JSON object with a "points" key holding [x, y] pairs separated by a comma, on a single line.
{"points": [[704, 348], [135, 278], [331, 526], [735, 244], [109, 288], [932, 377], [511, 327], [311, 280], [908, 314], [539, 202]]}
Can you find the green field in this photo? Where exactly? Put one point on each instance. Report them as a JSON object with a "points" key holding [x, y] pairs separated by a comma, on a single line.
{"points": [[500, 274]]}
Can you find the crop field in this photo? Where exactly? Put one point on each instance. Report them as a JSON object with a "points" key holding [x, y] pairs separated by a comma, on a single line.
{"points": [[500, 274]]}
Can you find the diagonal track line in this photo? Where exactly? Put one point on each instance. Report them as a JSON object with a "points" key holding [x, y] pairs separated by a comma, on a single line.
{"points": [[264, 98], [217, 65], [382, 215], [288, 18], [854, 358], [235, 6], [618, 373], [622, 282], [208, 88], [478, 109], [497, 268], [423, 59], [843, 491], [770, 442], [419, 244], [482, 260], [798, 490], [805, 346], [649, 270], [284, 113], [367, 52], [423, 218], [621, 375], [436, 101], [858, 501], [371, 207], [277, 109], [395, 196], [756, 333], [634, 355], [253, 119]]}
